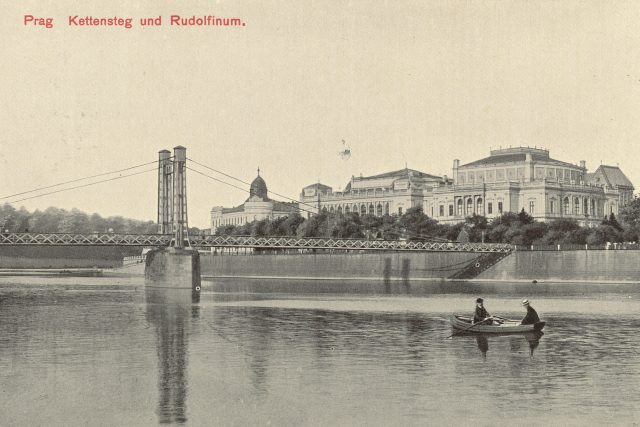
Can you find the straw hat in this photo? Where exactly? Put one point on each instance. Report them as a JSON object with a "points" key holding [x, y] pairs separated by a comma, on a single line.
{"points": [[525, 302]]}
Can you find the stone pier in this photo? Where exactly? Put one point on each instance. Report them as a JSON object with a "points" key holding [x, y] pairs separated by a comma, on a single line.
{"points": [[173, 268]]}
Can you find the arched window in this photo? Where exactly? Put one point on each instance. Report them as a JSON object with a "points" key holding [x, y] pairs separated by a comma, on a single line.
{"points": [[585, 206], [347, 209], [459, 207], [331, 209], [371, 209], [379, 210], [340, 210], [565, 203], [552, 206], [386, 208], [469, 206], [576, 205], [593, 207], [363, 209], [479, 209]]}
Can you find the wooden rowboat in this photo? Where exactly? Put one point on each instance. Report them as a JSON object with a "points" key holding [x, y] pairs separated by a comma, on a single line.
{"points": [[507, 326]]}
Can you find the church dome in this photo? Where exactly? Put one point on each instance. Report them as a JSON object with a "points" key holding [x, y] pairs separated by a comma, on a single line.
{"points": [[258, 187]]}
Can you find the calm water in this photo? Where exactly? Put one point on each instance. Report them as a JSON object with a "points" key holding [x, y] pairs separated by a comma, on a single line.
{"points": [[104, 351]]}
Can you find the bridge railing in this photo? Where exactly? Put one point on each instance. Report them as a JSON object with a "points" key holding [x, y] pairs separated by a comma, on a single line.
{"points": [[289, 242], [344, 244]]}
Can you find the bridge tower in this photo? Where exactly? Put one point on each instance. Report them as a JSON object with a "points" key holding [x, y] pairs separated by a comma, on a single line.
{"points": [[165, 193], [176, 267], [180, 219]]}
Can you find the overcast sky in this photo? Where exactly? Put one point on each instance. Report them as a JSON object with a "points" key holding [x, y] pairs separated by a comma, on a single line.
{"points": [[403, 81]]}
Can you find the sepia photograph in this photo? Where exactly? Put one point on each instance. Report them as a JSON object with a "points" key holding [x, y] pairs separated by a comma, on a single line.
{"points": [[319, 213]]}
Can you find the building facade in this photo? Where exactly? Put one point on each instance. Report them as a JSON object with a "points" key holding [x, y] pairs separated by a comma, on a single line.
{"points": [[513, 179], [257, 207], [387, 193]]}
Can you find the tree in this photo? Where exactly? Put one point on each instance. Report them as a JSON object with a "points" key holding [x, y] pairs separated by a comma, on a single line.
{"points": [[416, 224], [630, 214], [476, 227]]}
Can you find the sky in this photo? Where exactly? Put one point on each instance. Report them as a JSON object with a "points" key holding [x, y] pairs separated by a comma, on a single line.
{"points": [[419, 83]]}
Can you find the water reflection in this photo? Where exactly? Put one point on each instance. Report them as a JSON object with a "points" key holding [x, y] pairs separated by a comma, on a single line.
{"points": [[170, 311], [515, 340]]}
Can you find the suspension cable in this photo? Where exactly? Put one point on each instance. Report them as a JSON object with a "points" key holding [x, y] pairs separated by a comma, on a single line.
{"points": [[244, 182], [245, 190], [82, 186], [75, 180]]}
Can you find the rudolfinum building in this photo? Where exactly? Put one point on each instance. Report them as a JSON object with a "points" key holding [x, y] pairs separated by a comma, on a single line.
{"points": [[513, 179], [387, 193]]}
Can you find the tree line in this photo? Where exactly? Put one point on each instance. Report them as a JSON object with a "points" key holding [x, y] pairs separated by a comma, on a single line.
{"points": [[514, 228], [55, 220]]}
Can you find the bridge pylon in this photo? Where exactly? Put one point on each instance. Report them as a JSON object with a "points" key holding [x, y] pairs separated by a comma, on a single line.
{"points": [[165, 193], [176, 266]]}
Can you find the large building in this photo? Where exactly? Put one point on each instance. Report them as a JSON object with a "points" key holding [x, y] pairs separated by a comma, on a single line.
{"points": [[513, 179], [258, 206], [387, 193]]}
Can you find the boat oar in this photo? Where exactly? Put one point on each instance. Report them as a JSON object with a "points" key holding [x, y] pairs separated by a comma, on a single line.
{"points": [[472, 326]]}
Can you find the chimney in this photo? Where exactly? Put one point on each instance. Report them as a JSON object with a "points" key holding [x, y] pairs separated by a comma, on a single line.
{"points": [[456, 165], [528, 168]]}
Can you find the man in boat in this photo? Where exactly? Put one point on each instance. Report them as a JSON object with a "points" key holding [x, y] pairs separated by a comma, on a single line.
{"points": [[481, 314], [532, 316]]}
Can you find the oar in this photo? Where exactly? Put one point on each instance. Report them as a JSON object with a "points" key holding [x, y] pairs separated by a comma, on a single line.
{"points": [[475, 324]]}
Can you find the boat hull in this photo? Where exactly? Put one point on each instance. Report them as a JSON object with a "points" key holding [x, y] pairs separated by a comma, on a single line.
{"points": [[508, 326]]}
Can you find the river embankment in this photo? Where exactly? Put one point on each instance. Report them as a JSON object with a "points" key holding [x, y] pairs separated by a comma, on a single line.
{"points": [[589, 266], [598, 266], [63, 257]]}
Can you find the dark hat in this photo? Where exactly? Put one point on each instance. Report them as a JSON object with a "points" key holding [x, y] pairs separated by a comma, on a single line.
{"points": [[479, 300]]}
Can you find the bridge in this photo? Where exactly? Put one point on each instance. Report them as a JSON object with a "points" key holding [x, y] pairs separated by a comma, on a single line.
{"points": [[211, 241], [173, 228]]}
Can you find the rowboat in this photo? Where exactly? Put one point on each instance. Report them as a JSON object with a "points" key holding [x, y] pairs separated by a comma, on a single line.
{"points": [[507, 326]]}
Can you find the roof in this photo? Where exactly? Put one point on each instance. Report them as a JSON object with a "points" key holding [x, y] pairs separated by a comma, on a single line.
{"points": [[318, 186], [239, 208], [516, 158], [258, 188], [613, 176], [401, 173]]}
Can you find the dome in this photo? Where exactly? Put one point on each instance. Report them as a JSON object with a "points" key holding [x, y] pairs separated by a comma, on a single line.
{"points": [[258, 187]]}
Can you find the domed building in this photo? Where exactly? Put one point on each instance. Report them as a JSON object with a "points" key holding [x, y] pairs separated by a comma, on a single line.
{"points": [[258, 206]]}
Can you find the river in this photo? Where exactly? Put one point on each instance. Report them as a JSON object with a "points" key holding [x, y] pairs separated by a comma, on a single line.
{"points": [[108, 351]]}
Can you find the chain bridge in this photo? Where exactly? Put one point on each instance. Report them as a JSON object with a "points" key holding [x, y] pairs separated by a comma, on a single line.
{"points": [[173, 228], [210, 241]]}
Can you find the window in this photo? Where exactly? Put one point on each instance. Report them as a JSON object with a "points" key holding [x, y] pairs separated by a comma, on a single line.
{"points": [[566, 206], [469, 206], [450, 210], [479, 206], [441, 210], [400, 211], [489, 208], [552, 206], [379, 209], [459, 207], [532, 207], [363, 209], [499, 207], [576, 206]]}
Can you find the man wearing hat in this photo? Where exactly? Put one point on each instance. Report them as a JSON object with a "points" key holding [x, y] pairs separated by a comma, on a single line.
{"points": [[481, 313], [532, 316]]}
